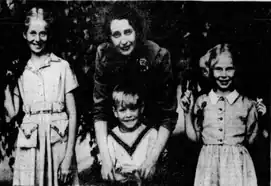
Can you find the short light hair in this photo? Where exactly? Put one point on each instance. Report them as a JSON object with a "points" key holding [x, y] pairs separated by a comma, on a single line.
{"points": [[127, 95]]}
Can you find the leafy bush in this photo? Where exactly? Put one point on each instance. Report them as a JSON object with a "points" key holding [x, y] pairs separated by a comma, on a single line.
{"points": [[187, 29]]}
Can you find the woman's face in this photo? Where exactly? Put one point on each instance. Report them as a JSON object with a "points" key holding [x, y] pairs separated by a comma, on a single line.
{"points": [[36, 36], [123, 36]]}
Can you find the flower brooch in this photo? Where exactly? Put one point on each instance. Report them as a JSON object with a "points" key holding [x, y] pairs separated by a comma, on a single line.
{"points": [[144, 64]]}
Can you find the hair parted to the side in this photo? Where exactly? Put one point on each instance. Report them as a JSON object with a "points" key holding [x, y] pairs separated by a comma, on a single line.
{"points": [[40, 13], [211, 56], [136, 18], [127, 94], [217, 51], [17, 67]]}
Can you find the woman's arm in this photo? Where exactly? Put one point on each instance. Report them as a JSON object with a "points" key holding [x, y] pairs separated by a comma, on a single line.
{"points": [[101, 137], [166, 102], [100, 112]]}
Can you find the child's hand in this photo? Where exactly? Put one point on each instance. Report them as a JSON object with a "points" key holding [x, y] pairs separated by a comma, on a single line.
{"points": [[65, 171], [187, 100], [261, 108]]}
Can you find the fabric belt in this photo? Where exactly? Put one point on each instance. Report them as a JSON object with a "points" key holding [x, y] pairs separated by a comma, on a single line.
{"points": [[43, 108]]}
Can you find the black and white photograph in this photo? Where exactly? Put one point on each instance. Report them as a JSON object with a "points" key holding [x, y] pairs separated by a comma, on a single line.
{"points": [[135, 93]]}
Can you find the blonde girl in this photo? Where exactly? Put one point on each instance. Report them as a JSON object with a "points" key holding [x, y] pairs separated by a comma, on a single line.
{"points": [[44, 90], [225, 122]]}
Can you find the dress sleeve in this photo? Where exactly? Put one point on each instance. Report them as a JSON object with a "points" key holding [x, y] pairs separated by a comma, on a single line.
{"points": [[70, 79], [252, 123], [101, 101], [166, 91]]}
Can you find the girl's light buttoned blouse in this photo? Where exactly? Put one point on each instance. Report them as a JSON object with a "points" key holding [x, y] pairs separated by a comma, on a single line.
{"points": [[226, 120]]}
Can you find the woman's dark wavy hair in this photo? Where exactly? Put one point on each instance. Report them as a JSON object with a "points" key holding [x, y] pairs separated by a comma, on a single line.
{"points": [[136, 18]]}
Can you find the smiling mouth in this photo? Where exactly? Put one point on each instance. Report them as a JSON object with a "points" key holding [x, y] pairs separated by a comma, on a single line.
{"points": [[37, 45], [125, 48], [224, 82], [130, 120]]}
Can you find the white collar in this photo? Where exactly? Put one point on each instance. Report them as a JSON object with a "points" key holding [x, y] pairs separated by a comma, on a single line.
{"points": [[52, 58], [231, 97]]}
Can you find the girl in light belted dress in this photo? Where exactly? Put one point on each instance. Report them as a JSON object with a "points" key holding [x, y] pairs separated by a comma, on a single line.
{"points": [[46, 140], [225, 121]]}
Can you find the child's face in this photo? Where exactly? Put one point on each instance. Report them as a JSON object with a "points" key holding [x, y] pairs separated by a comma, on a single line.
{"points": [[127, 116], [36, 35], [223, 72], [127, 110]]}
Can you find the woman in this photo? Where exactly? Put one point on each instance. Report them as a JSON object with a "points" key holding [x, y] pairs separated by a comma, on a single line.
{"points": [[127, 54]]}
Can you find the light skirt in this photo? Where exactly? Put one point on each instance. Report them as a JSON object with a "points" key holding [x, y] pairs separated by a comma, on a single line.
{"points": [[27, 167], [225, 165]]}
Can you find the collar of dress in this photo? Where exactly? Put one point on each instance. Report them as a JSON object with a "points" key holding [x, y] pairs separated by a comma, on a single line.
{"points": [[52, 58], [230, 97]]}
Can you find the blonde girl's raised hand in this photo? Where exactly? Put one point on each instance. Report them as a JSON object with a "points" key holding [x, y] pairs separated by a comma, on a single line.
{"points": [[261, 108], [187, 100]]}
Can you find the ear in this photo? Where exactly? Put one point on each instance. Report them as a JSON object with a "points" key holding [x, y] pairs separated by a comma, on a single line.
{"points": [[208, 72], [24, 35], [115, 112], [142, 108]]}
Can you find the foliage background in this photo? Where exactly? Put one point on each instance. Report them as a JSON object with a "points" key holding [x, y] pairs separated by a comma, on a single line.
{"points": [[187, 29]]}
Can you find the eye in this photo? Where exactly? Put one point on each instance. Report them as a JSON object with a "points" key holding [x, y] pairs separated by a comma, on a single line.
{"points": [[230, 69], [204, 70], [218, 69], [33, 33], [116, 34], [43, 34], [121, 109], [128, 31], [133, 108]]}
